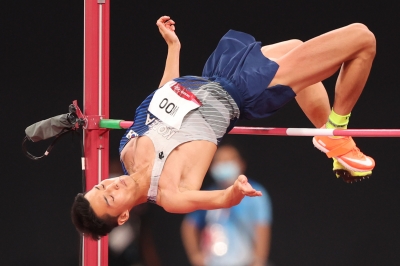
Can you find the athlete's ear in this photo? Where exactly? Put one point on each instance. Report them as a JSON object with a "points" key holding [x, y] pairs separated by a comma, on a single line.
{"points": [[123, 217]]}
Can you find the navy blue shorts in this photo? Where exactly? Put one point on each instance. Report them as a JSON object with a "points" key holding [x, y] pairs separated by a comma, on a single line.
{"points": [[240, 67]]}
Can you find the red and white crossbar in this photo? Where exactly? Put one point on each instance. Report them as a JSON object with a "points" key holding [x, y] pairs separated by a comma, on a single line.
{"points": [[275, 131], [271, 131]]}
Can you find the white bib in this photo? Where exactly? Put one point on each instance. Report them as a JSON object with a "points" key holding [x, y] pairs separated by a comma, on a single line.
{"points": [[172, 102]]}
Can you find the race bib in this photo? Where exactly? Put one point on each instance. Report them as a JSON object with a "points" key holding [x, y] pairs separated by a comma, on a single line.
{"points": [[172, 102]]}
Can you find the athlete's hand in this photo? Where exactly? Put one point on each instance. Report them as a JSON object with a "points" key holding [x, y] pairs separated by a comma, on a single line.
{"points": [[166, 26], [240, 189]]}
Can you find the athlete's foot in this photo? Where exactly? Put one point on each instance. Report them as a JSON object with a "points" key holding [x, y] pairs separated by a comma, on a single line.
{"points": [[349, 176], [345, 151]]}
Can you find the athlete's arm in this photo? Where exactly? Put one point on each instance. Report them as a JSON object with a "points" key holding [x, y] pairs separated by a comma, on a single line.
{"points": [[191, 200], [166, 27]]}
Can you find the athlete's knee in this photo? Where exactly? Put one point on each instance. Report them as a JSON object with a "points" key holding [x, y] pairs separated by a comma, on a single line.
{"points": [[295, 42], [291, 44], [365, 37]]}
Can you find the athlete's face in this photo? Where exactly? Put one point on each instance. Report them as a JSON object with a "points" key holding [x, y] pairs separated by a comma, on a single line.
{"points": [[114, 196]]}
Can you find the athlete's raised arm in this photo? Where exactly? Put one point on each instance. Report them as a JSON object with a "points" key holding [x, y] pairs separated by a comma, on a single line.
{"points": [[166, 27], [191, 200]]}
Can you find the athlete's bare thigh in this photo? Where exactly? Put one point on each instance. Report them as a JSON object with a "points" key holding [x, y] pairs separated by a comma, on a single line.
{"points": [[319, 58], [277, 50]]}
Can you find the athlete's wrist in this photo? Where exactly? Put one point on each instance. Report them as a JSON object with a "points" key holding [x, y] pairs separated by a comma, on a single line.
{"points": [[175, 44]]}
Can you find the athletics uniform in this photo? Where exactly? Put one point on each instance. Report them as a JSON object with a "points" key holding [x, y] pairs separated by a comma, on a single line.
{"points": [[234, 85]]}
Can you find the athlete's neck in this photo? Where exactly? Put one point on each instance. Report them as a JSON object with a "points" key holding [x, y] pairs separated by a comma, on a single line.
{"points": [[142, 184], [139, 152]]}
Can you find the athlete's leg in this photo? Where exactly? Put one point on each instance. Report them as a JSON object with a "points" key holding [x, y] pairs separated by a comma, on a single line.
{"points": [[313, 100], [351, 48]]}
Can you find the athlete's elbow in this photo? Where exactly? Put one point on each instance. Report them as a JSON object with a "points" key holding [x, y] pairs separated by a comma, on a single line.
{"points": [[170, 208]]}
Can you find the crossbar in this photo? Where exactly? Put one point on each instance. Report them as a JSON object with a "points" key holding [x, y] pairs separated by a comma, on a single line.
{"points": [[274, 131]]}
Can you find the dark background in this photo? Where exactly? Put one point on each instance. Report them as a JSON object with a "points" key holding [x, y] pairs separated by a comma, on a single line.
{"points": [[318, 219]]}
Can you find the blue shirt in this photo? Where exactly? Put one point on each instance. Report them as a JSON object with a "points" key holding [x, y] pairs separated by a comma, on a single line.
{"points": [[227, 234]]}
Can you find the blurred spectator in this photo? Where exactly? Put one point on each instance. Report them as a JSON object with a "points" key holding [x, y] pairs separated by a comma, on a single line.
{"points": [[131, 244], [238, 236]]}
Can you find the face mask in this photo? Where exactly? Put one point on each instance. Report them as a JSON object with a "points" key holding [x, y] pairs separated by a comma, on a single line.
{"points": [[225, 172]]}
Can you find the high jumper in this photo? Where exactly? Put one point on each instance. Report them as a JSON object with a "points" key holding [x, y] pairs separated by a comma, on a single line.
{"points": [[167, 151]]}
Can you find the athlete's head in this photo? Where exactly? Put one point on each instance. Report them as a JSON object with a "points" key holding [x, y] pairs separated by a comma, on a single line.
{"points": [[107, 205]]}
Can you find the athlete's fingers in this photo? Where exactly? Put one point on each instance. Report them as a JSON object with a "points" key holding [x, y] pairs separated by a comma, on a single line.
{"points": [[170, 21], [254, 194], [246, 187], [242, 179], [165, 18], [258, 193], [162, 20], [170, 24]]}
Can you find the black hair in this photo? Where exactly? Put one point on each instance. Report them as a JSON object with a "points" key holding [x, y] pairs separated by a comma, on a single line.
{"points": [[87, 222]]}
